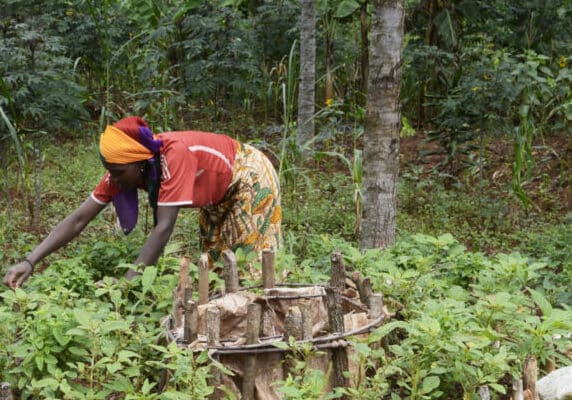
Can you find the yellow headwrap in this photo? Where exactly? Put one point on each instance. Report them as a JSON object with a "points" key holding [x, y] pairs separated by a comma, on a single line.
{"points": [[116, 147]]}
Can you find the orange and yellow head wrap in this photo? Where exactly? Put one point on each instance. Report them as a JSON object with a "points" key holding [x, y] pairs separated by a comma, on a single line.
{"points": [[119, 143]]}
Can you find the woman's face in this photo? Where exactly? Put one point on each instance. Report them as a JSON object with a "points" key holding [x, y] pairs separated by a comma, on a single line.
{"points": [[127, 176]]}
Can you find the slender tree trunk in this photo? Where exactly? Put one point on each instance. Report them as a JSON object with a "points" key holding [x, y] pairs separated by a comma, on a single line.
{"points": [[36, 201], [329, 63], [307, 91], [6, 182], [431, 7], [382, 125], [364, 47]]}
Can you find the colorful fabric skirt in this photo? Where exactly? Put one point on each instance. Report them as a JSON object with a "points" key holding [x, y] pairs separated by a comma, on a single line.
{"points": [[249, 217]]}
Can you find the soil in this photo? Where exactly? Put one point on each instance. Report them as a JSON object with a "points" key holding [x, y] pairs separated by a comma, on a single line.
{"points": [[550, 182]]}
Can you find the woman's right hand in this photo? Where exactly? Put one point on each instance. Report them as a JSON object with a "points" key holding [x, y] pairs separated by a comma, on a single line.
{"points": [[18, 274]]}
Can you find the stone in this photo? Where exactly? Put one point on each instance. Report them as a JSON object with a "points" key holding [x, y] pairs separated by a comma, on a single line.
{"points": [[557, 385]]}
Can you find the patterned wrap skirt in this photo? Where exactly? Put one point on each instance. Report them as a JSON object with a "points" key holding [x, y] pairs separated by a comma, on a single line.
{"points": [[249, 216]]}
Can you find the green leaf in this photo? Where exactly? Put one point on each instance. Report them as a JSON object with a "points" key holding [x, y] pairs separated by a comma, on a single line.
{"points": [[386, 329], [113, 368], [76, 332], [149, 275], [121, 384], [541, 302], [47, 382], [281, 345], [126, 355], [430, 383], [78, 351], [346, 8], [60, 337], [111, 326], [497, 388], [83, 317], [40, 361]]}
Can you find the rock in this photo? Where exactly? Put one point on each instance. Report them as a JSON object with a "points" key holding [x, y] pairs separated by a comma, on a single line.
{"points": [[557, 385]]}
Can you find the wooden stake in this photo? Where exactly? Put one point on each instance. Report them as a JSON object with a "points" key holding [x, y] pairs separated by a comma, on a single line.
{"points": [[517, 390], [230, 272], [213, 339], [375, 305], [292, 328], [338, 279], [484, 393], [307, 320], [191, 319], [204, 279], [363, 287], [339, 355], [213, 326], [529, 376], [254, 316], [5, 391], [293, 323], [268, 268], [179, 293]]}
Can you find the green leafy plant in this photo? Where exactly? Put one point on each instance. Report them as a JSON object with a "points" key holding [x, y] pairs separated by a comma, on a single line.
{"points": [[302, 381]]}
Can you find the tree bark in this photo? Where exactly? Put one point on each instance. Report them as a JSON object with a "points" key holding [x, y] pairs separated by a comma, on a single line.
{"points": [[307, 91], [364, 47], [382, 125]]}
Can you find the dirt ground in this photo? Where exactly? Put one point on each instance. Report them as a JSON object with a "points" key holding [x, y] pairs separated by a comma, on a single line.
{"points": [[549, 185]]}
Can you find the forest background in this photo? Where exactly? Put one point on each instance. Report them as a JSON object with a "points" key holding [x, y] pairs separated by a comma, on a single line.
{"points": [[484, 197]]}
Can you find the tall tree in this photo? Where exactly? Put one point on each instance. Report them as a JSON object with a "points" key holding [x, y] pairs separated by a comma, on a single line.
{"points": [[382, 125], [307, 91]]}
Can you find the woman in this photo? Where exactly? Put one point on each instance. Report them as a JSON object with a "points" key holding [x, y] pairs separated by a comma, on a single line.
{"points": [[234, 185]]}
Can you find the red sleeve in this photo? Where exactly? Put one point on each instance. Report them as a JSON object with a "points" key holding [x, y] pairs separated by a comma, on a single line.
{"points": [[105, 190], [178, 178]]}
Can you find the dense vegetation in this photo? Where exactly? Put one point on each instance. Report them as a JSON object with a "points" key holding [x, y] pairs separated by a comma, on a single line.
{"points": [[479, 276]]}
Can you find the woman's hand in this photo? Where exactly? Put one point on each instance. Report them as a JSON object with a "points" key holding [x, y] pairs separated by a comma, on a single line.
{"points": [[18, 274]]}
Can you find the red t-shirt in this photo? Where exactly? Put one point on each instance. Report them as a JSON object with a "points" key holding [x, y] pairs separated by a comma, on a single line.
{"points": [[196, 169]]}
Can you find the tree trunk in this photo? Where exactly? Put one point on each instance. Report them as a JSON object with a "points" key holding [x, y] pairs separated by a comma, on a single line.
{"points": [[36, 201], [329, 63], [306, 92], [382, 125], [6, 182], [364, 47]]}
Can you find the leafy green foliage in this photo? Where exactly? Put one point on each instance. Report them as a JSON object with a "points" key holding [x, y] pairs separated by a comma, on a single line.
{"points": [[492, 319], [35, 68], [72, 341], [302, 382]]}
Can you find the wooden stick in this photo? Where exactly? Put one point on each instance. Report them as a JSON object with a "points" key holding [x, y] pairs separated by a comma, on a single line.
{"points": [[484, 393], [230, 272], [307, 320], [191, 320], [213, 339], [529, 376], [339, 357], [363, 287], [204, 279], [254, 316], [292, 328], [268, 347], [268, 268], [517, 390], [213, 326], [179, 293], [375, 305], [338, 278], [5, 391], [293, 323]]}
